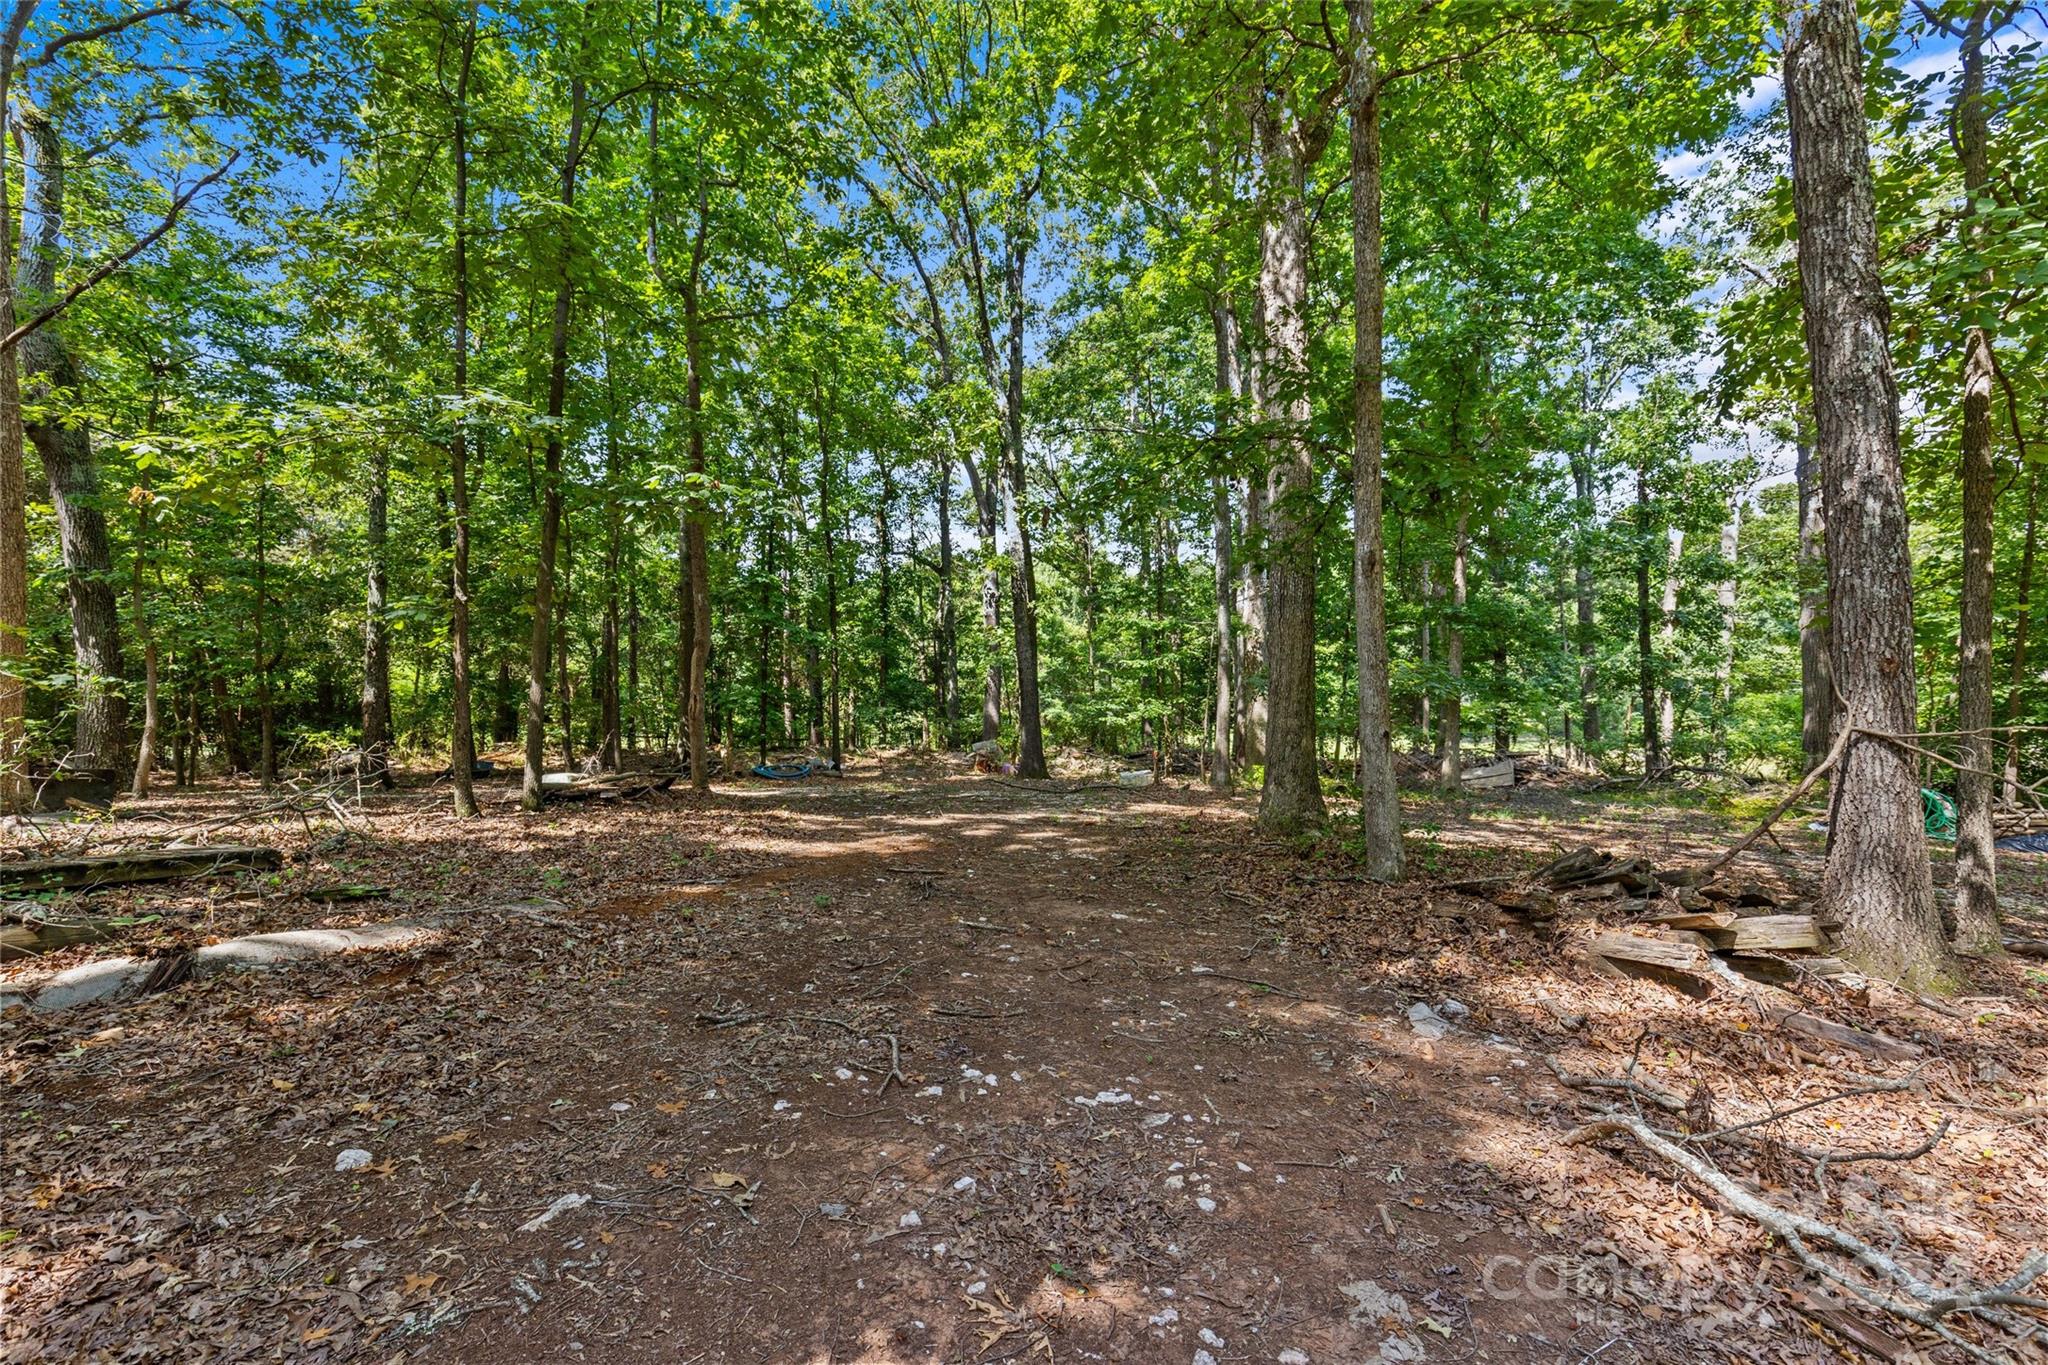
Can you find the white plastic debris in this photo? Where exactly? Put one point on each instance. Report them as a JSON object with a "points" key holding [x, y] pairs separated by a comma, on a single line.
{"points": [[1426, 1022]]}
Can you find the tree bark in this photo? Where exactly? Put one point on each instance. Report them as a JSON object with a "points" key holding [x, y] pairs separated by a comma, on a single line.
{"points": [[1292, 798], [1724, 668], [13, 477], [1379, 808], [1876, 881], [1976, 884], [1646, 663], [1451, 767], [65, 445], [551, 495], [1023, 574], [1667, 638], [831, 681], [462, 739], [1582, 578], [2016, 692], [376, 695], [145, 749], [1816, 655]]}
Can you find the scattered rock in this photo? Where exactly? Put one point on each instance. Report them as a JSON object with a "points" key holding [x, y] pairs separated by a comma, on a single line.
{"points": [[351, 1159], [553, 1211]]}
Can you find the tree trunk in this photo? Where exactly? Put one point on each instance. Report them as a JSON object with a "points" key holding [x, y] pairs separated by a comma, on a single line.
{"points": [[266, 717], [1023, 575], [565, 684], [1292, 798], [1876, 881], [145, 750], [1451, 768], [1667, 638], [376, 630], [831, 582], [551, 495], [949, 633], [1724, 668], [1582, 576], [696, 528], [1379, 810], [462, 740], [2015, 699], [13, 477], [1976, 885], [1816, 656], [65, 446], [1646, 663], [609, 720]]}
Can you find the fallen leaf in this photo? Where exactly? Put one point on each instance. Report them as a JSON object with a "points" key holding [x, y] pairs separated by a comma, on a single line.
{"points": [[658, 1169], [450, 1139], [277, 1084]]}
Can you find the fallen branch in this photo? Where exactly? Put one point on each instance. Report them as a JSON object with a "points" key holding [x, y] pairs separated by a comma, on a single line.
{"points": [[1820, 770], [1909, 1297]]}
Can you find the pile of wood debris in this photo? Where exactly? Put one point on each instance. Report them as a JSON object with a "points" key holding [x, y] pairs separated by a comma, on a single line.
{"points": [[1693, 930]]}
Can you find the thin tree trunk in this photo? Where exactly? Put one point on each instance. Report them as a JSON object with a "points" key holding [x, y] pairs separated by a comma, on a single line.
{"points": [[609, 721], [1667, 638], [831, 582], [1451, 769], [376, 630], [551, 495], [145, 750], [1582, 578], [1724, 668], [949, 634], [1646, 662], [1976, 885], [2015, 697], [696, 529], [462, 739], [565, 685], [1023, 574], [1379, 809], [1876, 881], [266, 763]]}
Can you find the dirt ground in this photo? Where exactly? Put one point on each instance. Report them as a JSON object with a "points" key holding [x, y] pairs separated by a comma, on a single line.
{"points": [[920, 1066]]}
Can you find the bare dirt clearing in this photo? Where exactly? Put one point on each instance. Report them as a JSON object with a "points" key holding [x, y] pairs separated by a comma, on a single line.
{"points": [[916, 1067]]}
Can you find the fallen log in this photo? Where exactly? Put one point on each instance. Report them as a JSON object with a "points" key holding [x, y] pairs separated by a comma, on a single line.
{"points": [[85, 871], [28, 934]]}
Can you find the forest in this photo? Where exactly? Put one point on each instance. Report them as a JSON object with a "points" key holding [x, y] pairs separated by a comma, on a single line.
{"points": [[1464, 529]]}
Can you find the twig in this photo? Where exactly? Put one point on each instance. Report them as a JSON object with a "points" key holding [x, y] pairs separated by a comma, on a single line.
{"points": [[1245, 980]]}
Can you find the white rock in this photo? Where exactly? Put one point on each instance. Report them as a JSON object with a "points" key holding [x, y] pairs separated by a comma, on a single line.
{"points": [[553, 1211], [1164, 1316], [931, 1092], [1453, 1009], [842, 1073], [910, 1220], [1293, 1355], [1204, 1358], [965, 1184], [351, 1159], [1209, 1338], [1205, 1204]]}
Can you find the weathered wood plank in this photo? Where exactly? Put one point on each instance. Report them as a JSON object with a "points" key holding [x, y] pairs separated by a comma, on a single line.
{"points": [[85, 871]]}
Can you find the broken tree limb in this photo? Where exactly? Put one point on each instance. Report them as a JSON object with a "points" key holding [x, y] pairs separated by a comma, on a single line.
{"points": [[85, 871], [1906, 1296], [1820, 770]]}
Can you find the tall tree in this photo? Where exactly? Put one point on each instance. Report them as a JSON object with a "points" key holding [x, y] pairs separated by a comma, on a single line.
{"points": [[1877, 881]]}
